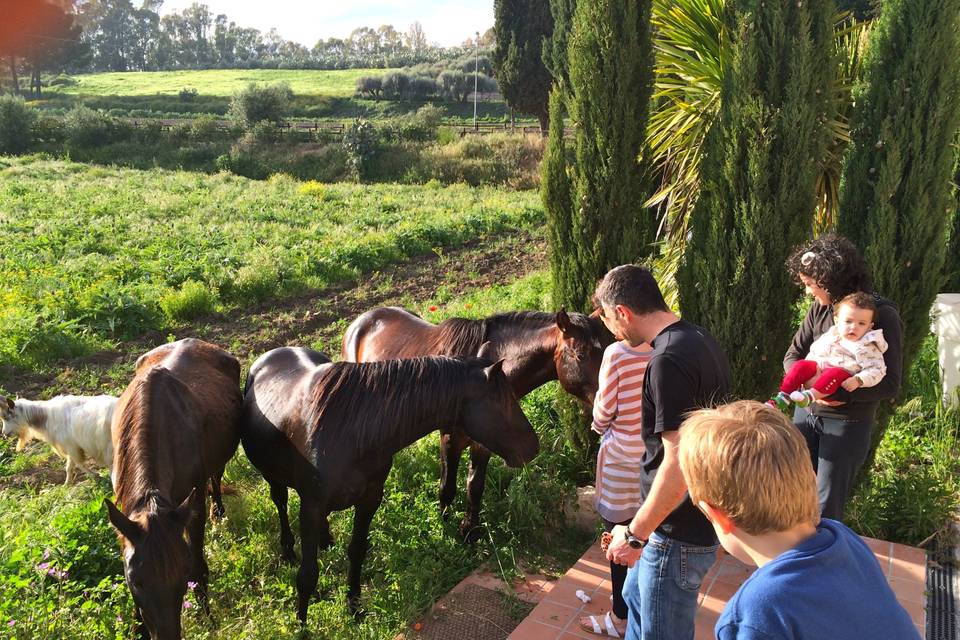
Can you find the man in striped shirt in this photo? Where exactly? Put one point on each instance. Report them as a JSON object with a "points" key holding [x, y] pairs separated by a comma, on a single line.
{"points": [[687, 370]]}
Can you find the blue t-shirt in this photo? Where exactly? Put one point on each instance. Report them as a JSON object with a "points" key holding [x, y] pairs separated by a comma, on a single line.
{"points": [[828, 586]]}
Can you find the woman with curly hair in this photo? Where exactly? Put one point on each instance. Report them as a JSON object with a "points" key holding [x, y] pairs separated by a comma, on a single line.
{"points": [[838, 428]]}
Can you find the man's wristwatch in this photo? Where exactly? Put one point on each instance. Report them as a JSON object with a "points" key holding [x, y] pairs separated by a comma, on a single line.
{"points": [[632, 540]]}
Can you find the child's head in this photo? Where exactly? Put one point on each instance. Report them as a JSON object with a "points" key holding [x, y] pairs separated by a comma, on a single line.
{"points": [[854, 315], [749, 461]]}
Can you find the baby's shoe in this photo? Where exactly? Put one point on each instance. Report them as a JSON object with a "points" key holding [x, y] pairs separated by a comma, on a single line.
{"points": [[780, 401], [803, 398]]}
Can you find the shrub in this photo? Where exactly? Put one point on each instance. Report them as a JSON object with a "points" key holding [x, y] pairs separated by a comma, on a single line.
{"points": [[396, 85], [370, 85], [193, 299], [87, 129], [16, 119], [422, 87], [62, 81], [360, 143], [328, 163], [453, 85], [257, 103], [263, 132], [243, 163], [188, 95]]}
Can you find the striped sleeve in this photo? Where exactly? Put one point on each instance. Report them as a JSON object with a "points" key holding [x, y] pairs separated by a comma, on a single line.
{"points": [[605, 402]]}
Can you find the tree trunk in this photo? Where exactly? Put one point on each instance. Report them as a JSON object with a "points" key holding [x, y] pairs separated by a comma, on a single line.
{"points": [[13, 75], [544, 118], [35, 83]]}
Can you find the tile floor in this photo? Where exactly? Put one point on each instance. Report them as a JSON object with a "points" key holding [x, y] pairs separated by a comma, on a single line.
{"points": [[556, 615]]}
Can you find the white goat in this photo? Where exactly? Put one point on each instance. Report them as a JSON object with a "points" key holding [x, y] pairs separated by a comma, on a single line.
{"points": [[77, 427]]}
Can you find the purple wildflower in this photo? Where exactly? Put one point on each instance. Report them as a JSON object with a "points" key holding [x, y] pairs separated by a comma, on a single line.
{"points": [[187, 604], [191, 585], [11, 623]]}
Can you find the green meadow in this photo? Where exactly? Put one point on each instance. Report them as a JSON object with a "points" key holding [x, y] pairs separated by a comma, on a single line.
{"points": [[215, 82]]}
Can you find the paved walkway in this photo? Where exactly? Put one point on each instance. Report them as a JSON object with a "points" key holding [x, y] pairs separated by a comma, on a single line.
{"points": [[555, 617]]}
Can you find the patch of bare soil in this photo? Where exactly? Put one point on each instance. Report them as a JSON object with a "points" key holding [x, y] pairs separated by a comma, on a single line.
{"points": [[319, 314]]}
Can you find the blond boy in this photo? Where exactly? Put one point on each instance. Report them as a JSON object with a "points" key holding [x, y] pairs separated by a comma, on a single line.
{"points": [[748, 469]]}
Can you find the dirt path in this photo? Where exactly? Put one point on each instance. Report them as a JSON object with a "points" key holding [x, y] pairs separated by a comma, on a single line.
{"points": [[316, 318]]}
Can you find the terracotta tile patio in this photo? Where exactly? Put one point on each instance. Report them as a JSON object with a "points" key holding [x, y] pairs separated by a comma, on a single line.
{"points": [[555, 617]]}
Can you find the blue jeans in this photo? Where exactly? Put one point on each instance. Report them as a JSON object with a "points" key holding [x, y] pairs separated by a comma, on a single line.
{"points": [[662, 589]]}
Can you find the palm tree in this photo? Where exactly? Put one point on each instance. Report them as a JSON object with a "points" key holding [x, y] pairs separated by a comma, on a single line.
{"points": [[691, 52]]}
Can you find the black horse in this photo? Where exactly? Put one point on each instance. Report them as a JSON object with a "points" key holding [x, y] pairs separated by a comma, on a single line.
{"points": [[330, 431], [536, 348]]}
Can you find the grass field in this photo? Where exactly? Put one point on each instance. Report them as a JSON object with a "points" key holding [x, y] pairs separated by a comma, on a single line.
{"points": [[215, 82], [415, 556], [90, 255]]}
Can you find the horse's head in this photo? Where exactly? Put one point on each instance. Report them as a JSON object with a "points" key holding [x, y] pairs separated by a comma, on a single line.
{"points": [[580, 344], [156, 561], [492, 415]]}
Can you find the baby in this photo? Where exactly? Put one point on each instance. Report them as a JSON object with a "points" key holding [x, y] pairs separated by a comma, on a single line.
{"points": [[849, 355]]}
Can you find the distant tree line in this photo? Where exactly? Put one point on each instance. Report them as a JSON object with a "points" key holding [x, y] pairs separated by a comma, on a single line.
{"points": [[452, 81], [121, 35]]}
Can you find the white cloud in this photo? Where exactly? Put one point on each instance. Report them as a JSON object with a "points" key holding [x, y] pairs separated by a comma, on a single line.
{"points": [[445, 22]]}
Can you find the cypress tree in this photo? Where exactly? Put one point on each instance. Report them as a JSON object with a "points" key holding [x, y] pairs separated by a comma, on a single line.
{"points": [[555, 193], [593, 199], [951, 267], [521, 27], [896, 199], [555, 47], [594, 205], [758, 183]]}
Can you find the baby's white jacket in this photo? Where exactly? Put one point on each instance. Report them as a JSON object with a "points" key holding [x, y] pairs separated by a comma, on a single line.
{"points": [[864, 360]]}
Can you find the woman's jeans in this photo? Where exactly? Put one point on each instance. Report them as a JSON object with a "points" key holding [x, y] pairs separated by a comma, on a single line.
{"points": [[662, 589], [838, 448]]}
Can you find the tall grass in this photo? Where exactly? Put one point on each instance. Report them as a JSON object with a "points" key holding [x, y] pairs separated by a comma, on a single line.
{"points": [[90, 255], [415, 556]]}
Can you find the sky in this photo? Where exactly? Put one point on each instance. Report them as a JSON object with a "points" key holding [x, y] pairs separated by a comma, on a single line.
{"points": [[445, 22]]}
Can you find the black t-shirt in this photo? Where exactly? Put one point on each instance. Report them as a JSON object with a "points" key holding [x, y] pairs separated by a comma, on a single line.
{"points": [[687, 371]]}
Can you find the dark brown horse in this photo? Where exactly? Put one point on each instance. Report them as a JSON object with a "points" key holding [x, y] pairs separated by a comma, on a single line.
{"points": [[174, 427], [536, 348], [330, 431]]}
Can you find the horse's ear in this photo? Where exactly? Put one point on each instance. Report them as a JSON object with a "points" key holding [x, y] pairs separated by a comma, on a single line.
{"points": [[487, 351], [124, 525], [182, 514], [563, 321], [495, 369]]}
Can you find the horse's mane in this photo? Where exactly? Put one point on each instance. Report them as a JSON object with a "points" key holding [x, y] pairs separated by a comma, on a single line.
{"points": [[370, 402], [151, 402], [463, 337]]}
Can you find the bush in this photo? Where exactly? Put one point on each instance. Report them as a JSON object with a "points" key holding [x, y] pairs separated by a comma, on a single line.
{"points": [[257, 103], [370, 85], [62, 81], [328, 163], [193, 299], [396, 85], [16, 119], [188, 95], [422, 87], [360, 144], [263, 132], [86, 129], [243, 163], [507, 159]]}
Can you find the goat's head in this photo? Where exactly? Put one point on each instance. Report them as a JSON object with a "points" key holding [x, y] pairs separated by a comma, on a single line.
{"points": [[13, 423]]}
